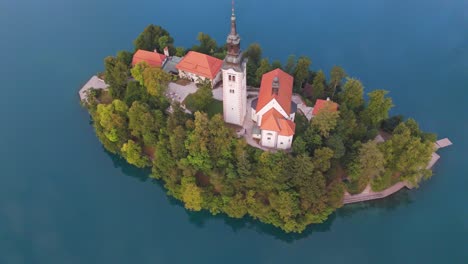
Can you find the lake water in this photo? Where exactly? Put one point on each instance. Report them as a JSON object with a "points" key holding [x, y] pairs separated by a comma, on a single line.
{"points": [[63, 199]]}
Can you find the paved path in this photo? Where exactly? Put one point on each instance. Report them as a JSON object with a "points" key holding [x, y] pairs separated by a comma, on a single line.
{"points": [[95, 83], [301, 105], [368, 194], [179, 92]]}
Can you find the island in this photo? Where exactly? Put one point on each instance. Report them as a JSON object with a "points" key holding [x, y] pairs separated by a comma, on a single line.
{"points": [[230, 132]]}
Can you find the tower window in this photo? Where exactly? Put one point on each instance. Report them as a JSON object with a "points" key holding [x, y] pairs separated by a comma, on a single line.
{"points": [[233, 78], [230, 77], [231, 91]]}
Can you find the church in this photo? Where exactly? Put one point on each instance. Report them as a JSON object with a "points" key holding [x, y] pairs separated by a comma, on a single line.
{"points": [[272, 113]]}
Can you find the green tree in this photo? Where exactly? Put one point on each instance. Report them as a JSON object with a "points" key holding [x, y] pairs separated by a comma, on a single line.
{"points": [[276, 64], [325, 121], [337, 74], [180, 51], [407, 154], [116, 75], [369, 164], [299, 146], [176, 141], [156, 81], [149, 38], [145, 124], [125, 56], [201, 98], [335, 143], [301, 71], [321, 159], [197, 144], [254, 53], [352, 94], [262, 69], [164, 41], [290, 64], [133, 154], [137, 72], [191, 194], [318, 86], [371, 159], [221, 142], [111, 125], [378, 108], [207, 44]]}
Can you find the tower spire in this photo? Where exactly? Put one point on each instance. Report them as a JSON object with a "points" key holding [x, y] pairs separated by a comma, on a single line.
{"points": [[233, 13], [233, 20]]}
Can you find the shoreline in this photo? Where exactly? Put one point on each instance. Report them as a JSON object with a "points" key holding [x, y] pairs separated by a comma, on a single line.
{"points": [[369, 195]]}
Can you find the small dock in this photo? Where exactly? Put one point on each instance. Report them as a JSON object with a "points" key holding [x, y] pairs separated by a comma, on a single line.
{"points": [[443, 143], [93, 83]]}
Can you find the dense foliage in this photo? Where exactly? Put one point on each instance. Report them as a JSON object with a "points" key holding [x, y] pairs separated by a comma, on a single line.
{"points": [[203, 163]]}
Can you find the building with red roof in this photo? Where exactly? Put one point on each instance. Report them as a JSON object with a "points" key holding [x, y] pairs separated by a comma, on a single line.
{"points": [[324, 104], [274, 111], [198, 67], [153, 59]]}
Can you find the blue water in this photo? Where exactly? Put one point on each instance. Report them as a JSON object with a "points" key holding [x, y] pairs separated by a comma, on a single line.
{"points": [[63, 199]]}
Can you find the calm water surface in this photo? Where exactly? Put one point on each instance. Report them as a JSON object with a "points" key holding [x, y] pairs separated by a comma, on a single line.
{"points": [[63, 199]]}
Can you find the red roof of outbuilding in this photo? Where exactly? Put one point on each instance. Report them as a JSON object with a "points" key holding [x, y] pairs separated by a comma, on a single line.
{"points": [[200, 64], [153, 59], [321, 104], [272, 120], [284, 94]]}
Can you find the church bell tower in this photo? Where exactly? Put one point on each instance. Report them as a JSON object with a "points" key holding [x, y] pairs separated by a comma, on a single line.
{"points": [[234, 78]]}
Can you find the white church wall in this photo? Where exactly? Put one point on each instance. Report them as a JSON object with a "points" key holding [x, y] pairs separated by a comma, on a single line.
{"points": [[284, 142], [269, 138]]}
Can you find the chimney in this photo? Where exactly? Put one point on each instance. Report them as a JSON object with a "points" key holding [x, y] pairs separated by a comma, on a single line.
{"points": [[275, 85], [166, 51]]}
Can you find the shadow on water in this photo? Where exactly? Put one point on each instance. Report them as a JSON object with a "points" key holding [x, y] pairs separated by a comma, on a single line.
{"points": [[201, 219], [399, 199]]}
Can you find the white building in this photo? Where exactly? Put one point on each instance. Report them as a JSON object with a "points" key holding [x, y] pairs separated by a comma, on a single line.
{"points": [[274, 111], [199, 67], [234, 79]]}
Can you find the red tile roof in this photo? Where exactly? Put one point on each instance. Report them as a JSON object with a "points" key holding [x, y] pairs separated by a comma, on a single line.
{"points": [[272, 120], [284, 94], [153, 59], [200, 64], [322, 104]]}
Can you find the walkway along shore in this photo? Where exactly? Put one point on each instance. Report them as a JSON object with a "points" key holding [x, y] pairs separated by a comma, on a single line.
{"points": [[368, 194]]}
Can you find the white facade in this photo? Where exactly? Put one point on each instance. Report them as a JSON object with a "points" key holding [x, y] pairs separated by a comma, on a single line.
{"points": [[235, 95], [198, 79], [269, 138], [284, 142]]}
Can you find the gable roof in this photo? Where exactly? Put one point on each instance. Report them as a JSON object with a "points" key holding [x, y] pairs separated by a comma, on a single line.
{"points": [[153, 59], [284, 93], [200, 64], [272, 120], [321, 104]]}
